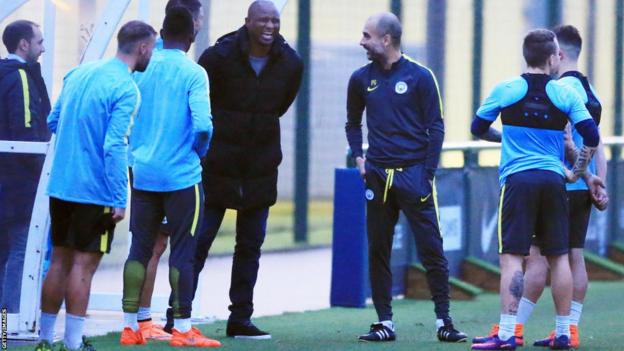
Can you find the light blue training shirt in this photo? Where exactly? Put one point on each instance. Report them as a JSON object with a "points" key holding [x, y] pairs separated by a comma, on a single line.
{"points": [[173, 128], [91, 119], [524, 148]]}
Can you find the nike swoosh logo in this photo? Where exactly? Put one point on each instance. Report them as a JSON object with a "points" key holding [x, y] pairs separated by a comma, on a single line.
{"points": [[369, 89], [423, 199]]}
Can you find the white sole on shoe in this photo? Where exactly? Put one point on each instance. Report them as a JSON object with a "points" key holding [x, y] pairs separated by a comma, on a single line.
{"points": [[249, 337]]}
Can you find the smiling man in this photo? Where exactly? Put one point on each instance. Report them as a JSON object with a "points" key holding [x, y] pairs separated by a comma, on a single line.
{"points": [[405, 134], [254, 77]]}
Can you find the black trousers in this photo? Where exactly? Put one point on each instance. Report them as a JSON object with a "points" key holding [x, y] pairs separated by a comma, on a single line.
{"points": [[184, 210], [388, 192], [250, 234]]}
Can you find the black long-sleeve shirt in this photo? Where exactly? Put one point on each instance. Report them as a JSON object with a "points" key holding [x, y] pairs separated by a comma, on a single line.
{"points": [[403, 114]]}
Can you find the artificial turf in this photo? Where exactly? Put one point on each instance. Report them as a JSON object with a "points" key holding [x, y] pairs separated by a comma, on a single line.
{"points": [[337, 328]]}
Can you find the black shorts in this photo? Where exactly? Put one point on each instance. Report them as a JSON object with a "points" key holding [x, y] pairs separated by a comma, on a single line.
{"points": [[82, 227], [165, 227], [533, 202], [580, 209]]}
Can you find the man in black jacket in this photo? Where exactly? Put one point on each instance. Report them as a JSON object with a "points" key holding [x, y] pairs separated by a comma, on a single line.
{"points": [[24, 106], [254, 77]]}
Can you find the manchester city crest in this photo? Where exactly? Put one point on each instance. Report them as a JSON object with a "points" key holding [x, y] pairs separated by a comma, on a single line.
{"points": [[400, 87], [369, 194]]}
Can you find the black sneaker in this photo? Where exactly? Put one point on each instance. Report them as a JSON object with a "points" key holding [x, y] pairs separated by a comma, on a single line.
{"points": [[378, 332], [448, 333], [246, 331]]}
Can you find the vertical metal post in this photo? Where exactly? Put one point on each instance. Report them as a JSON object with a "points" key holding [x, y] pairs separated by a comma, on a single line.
{"points": [[49, 29], [202, 41], [477, 53], [616, 150], [436, 38], [302, 125], [396, 7], [554, 12], [590, 38], [471, 157]]}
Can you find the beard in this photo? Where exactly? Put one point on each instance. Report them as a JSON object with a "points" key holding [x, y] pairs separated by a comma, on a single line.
{"points": [[141, 66], [32, 56], [373, 54]]}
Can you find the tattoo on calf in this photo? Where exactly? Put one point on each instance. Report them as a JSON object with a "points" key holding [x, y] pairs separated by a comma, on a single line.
{"points": [[515, 288]]}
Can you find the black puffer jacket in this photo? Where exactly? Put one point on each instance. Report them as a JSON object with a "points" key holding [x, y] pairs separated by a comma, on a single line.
{"points": [[240, 169]]}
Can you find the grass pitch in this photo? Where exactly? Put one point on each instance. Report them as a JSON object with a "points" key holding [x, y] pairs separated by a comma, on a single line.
{"points": [[337, 328]]}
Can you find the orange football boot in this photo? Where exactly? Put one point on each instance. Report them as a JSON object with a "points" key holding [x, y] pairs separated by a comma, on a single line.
{"points": [[192, 338], [131, 337], [153, 331]]}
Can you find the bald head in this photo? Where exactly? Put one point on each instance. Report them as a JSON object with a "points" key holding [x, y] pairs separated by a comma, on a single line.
{"points": [[263, 24], [389, 24], [386, 23], [381, 37], [261, 6]]}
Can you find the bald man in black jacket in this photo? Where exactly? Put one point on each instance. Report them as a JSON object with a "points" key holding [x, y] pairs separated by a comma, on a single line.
{"points": [[254, 78]]}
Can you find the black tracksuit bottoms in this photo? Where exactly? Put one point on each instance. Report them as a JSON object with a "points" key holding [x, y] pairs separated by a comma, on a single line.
{"points": [[388, 191]]}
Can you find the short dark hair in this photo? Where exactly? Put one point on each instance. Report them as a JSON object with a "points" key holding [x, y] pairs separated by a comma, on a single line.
{"points": [[131, 34], [538, 45], [193, 6], [569, 39], [178, 24], [389, 24], [16, 31]]}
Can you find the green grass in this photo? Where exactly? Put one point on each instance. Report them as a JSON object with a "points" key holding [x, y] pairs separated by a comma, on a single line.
{"points": [[337, 328]]}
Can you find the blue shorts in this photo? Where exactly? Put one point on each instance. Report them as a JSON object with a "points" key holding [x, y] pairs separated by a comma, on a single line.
{"points": [[533, 203]]}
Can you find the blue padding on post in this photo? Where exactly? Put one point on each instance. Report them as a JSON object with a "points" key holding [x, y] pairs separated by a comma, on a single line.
{"points": [[349, 258]]}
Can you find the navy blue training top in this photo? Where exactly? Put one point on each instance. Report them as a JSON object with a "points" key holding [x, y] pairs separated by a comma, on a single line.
{"points": [[403, 115]]}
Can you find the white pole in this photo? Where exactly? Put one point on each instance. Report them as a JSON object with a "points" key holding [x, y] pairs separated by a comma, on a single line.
{"points": [[7, 7], [49, 28], [36, 248], [104, 30]]}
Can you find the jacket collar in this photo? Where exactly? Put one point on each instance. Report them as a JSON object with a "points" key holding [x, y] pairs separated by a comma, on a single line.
{"points": [[16, 57], [242, 38]]}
